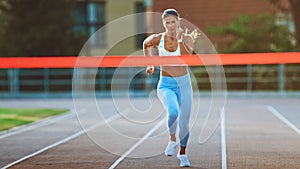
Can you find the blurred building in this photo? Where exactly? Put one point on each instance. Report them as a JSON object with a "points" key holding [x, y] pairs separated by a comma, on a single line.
{"points": [[95, 14], [206, 13], [203, 13]]}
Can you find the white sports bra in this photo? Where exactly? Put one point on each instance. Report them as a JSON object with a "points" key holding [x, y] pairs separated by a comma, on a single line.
{"points": [[163, 52]]}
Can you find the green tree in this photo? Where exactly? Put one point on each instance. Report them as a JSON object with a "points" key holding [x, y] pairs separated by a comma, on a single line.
{"points": [[38, 28], [295, 11], [254, 34], [295, 5]]}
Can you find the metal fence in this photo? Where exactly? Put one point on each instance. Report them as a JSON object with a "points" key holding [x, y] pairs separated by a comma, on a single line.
{"points": [[47, 83]]}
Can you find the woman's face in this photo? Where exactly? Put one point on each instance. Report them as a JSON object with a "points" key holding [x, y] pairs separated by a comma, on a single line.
{"points": [[170, 23]]}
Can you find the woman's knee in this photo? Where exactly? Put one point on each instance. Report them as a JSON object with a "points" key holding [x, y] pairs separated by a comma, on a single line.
{"points": [[173, 113], [184, 125]]}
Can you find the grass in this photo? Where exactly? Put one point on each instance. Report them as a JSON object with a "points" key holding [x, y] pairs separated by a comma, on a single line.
{"points": [[12, 117]]}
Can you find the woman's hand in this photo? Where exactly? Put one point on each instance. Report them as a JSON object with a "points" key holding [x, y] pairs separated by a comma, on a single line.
{"points": [[150, 70], [179, 34]]}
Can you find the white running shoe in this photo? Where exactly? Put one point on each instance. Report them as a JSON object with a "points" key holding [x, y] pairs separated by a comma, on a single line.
{"points": [[184, 161], [170, 150]]}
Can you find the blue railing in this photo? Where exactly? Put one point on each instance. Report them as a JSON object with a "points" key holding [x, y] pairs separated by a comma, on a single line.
{"points": [[47, 83]]}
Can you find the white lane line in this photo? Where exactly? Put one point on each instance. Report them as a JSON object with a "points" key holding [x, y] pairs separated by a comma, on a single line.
{"points": [[61, 141], [223, 140], [117, 162], [283, 119], [38, 124]]}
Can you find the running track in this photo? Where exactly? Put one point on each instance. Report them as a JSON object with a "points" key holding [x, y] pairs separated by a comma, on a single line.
{"points": [[254, 133]]}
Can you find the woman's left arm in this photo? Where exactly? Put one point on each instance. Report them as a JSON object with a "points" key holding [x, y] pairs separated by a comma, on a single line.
{"points": [[188, 43]]}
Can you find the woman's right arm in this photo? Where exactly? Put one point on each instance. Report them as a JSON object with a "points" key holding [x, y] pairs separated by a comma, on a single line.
{"points": [[150, 42]]}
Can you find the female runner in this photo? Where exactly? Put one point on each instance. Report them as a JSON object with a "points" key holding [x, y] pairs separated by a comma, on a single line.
{"points": [[174, 86]]}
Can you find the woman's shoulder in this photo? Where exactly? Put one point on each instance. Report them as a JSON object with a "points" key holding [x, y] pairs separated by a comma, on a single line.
{"points": [[154, 39], [156, 36]]}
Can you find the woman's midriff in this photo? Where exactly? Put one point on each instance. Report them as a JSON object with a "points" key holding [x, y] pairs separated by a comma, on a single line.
{"points": [[173, 71]]}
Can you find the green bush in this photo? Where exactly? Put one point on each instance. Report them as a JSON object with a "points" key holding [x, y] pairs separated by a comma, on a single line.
{"points": [[39, 27], [253, 34]]}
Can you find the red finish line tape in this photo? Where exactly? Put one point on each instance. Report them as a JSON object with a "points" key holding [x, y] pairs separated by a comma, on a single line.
{"points": [[140, 61]]}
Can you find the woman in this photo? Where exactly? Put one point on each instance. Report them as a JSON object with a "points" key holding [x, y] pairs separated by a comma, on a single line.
{"points": [[174, 87]]}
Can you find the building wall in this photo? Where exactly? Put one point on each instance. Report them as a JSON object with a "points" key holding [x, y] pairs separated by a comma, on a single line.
{"points": [[205, 13], [116, 9]]}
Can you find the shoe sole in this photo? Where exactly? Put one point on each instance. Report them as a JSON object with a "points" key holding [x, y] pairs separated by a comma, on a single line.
{"points": [[169, 155]]}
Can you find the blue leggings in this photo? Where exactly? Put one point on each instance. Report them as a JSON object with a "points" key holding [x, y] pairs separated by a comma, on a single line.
{"points": [[175, 93]]}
